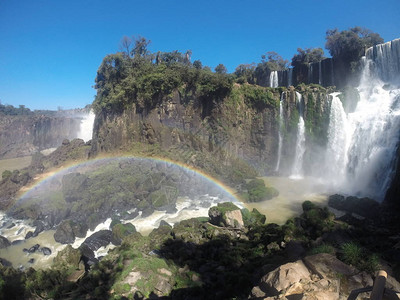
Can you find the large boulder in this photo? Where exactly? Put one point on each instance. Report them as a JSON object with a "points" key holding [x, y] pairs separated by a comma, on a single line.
{"points": [[283, 277], [4, 242], [98, 239], [68, 230], [364, 207], [226, 215]]}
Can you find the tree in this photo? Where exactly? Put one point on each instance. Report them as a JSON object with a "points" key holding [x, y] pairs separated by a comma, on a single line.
{"points": [[197, 64], [245, 73], [349, 45], [188, 55], [140, 47], [307, 56], [220, 69], [125, 44], [274, 61]]}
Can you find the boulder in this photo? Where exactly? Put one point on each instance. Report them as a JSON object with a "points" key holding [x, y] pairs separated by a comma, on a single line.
{"points": [[68, 258], [328, 266], [98, 239], [119, 231], [5, 263], [45, 251], [226, 215], [34, 248], [283, 277], [68, 230], [4, 242]]}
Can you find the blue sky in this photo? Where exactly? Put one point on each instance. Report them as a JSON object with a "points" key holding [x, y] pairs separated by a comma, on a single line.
{"points": [[50, 49]]}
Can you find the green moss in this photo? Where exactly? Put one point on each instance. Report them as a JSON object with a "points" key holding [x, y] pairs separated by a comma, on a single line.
{"points": [[257, 191]]}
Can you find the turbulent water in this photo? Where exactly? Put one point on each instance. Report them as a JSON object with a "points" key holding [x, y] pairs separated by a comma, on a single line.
{"points": [[86, 127], [362, 144], [297, 170], [273, 79]]}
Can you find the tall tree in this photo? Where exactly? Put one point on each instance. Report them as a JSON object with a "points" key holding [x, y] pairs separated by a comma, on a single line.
{"points": [[349, 45], [220, 69], [140, 47], [125, 44], [307, 56]]}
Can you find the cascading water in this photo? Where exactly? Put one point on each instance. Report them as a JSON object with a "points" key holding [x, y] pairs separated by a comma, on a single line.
{"points": [[290, 77], [338, 131], [86, 127], [297, 170], [369, 136], [280, 133], [273, 79]]}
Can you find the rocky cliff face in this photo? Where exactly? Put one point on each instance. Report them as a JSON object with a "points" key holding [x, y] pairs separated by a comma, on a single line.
{"points": [[234, 128], [25, 135]]}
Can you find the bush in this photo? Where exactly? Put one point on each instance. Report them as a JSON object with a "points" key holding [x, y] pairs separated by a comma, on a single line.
{"points": [[257, 191], [6, 174]]}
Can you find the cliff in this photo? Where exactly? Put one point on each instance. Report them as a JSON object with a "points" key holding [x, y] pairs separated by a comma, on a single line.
{"points": [[25, 135]]}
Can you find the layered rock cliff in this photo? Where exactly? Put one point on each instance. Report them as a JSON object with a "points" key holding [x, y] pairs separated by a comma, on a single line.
{"points": [[25, 135]]}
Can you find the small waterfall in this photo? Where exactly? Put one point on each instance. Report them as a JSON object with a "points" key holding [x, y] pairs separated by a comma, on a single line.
{"points": [[320, 73], [281, 124], [290, 77], [337, 146], [86, 127], [297, 170], [273, 79]]}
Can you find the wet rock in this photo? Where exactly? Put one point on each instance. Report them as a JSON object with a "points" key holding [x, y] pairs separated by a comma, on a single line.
{"points": [[5, 263], [34, 248], [31, 261], [39, 228], [16, 242], [45, 251], [119, 231], [98, 239], [4, 242], [68, 230], [227, 215], [327, 266], [29, 235], [11, 226]]}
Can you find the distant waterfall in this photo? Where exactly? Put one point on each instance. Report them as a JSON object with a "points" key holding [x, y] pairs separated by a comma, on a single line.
{"points": [[86, 127], [290, 77], [281, 124], [320, 73], [297, 170], [273, 79], [362, 145]]}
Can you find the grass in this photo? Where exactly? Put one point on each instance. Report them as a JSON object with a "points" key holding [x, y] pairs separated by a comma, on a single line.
{"points": [[15, 163]]}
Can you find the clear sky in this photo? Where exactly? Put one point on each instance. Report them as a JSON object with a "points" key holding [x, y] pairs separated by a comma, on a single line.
{"points": [[50, 49]]}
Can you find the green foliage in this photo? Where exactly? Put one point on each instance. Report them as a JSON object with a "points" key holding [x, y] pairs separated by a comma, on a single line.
{"points": [[307, 56], [257, 191], [323, 248], [221, 69], [259, 97], [245, 73], [349, 45], [6, 174], [352, 253], [308, 205], [253, 218], [359, 257]]}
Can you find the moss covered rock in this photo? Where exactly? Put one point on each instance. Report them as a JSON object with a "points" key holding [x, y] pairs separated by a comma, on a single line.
{"points": [[226, 215]]}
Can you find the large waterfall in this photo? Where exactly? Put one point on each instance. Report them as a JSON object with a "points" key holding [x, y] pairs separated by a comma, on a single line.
{"points": [[362, 144], [86, 126], [297, 170], [273, 79]]}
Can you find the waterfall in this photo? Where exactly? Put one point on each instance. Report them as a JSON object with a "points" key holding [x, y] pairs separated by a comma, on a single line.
{"points": [[297, 170], [273, 79], [337, 146], [362, 145], [320, 73], [290, 77], [86, 127], [281, 124], [309, 75]]}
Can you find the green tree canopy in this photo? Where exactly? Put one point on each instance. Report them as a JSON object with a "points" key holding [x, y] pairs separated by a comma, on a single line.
{"points": [[307, 56], [221, 69], [349, 45]]}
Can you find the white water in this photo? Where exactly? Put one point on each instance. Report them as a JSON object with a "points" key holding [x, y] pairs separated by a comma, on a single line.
{"points": [[290, 77], [86, 127], [362, 145], [297, 169], [273, 79], [338, 142], [281, 124]]}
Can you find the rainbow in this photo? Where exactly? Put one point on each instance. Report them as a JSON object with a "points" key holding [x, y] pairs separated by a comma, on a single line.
{"points": [[41, 180]]}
